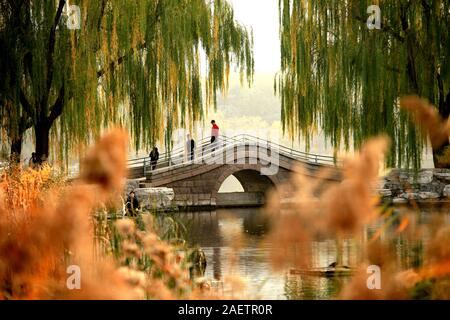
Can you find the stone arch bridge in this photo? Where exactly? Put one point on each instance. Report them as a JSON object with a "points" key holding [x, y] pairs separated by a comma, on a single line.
{"points": [[259, 166]]}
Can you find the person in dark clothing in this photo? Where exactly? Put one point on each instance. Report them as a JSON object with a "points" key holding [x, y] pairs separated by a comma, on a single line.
{"points": [[190, 147], [154, 157], [33, 163], [132, 204]]}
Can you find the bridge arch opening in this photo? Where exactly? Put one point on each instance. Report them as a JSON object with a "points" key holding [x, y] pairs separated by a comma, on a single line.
{"points": [[231, 185], [253, 190]]}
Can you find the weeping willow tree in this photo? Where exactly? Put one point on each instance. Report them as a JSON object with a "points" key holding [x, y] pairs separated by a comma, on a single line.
{"points": [[149, 65], [14, 122], [339, 76]]}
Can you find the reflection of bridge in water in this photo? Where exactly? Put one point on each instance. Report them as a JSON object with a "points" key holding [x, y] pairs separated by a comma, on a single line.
{"points": [[216, 232], [259, 166]]}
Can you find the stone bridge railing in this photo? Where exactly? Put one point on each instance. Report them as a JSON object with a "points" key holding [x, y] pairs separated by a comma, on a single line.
{"points": [[205, 153]]}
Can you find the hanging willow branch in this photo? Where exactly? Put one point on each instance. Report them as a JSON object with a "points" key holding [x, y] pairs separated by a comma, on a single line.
{"points": [[150, 65], [345, 80]]}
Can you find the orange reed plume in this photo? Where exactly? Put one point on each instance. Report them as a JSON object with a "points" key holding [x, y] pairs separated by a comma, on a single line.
{"points": [[393, 285], [55, 228], [105, 165], [34, 252], [352, 203], [321, 205], [428, 117], [437, 266], [22, 190]]}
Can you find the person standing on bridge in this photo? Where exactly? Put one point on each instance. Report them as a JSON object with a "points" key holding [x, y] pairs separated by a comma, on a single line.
{"points": [[190, 146], [154, 157], [214, 135]]}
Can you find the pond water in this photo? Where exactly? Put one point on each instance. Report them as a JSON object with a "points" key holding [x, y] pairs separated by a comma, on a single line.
{"points": [[219, 232]]}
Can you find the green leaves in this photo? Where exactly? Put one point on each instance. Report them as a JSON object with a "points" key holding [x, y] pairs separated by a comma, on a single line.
{"points": [[132, 63], [163, 78], [346, 79]]}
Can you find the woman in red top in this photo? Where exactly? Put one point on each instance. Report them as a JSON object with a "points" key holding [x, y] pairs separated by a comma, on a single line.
{"points": [[214, 133]]}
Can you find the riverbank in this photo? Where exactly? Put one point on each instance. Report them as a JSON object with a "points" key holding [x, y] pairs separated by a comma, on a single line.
{"points": [[426, 186], [399, 187]]}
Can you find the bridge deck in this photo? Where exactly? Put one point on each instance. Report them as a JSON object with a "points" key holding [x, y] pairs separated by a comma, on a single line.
{"points": [[177, 158], [259, 166]]}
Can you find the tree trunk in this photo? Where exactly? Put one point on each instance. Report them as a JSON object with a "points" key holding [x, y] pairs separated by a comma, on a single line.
{"points": [[42, 135], [17, 138], [16, 148], [441, 155]]}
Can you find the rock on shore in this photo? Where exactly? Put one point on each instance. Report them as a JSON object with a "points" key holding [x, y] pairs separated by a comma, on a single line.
{"points": [[424, 185], [151, 198]]}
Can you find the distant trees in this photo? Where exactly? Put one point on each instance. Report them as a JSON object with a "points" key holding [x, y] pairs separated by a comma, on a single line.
{"points": [[338, 75], [134, 63]]}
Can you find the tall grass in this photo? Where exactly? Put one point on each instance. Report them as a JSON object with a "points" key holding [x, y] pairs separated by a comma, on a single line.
{"points": [[342, 211], [47, 224]]}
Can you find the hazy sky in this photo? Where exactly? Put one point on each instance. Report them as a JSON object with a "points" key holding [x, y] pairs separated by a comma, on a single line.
{"points": [[257, 107], [256, 110], [262, 16]]}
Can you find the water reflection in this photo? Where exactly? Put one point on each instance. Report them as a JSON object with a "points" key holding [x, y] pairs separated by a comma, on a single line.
{"points": [[219, 232]]}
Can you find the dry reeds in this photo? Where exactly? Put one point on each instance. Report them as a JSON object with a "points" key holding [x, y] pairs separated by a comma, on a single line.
{"points": [[53, 228], [47, 225]]}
